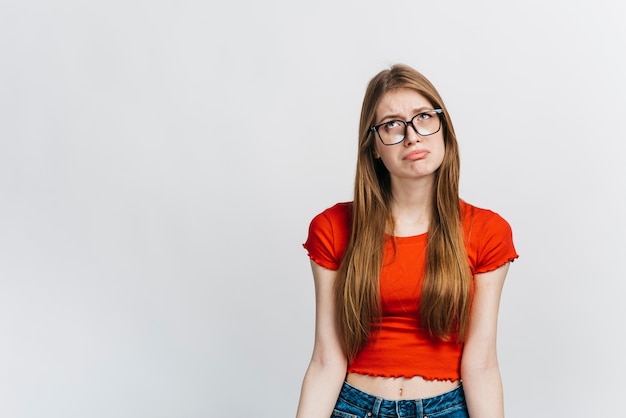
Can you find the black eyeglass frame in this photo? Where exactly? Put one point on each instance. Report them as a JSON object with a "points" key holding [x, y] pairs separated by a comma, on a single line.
{"points": [[406, 124]]}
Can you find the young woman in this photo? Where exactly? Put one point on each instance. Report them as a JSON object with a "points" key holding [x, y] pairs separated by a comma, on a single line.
{"points": [[408, 276]]}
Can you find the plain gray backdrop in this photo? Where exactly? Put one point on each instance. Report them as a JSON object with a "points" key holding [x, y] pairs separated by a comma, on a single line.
{"points": [[160, 163]]}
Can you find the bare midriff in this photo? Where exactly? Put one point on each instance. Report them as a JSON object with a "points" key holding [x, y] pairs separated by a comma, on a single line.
{"points": [[397, 388]]}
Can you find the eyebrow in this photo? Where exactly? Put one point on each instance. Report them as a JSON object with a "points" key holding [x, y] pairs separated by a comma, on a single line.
{"points": [[395, 116]]}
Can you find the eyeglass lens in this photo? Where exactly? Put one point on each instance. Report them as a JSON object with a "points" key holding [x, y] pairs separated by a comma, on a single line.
{"points": [[425, 123]]}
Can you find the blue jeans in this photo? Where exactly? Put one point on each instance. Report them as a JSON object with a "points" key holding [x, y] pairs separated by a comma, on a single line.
{"points": [[353, 403]]}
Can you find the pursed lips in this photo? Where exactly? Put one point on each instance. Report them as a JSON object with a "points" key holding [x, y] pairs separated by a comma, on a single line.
{"points": [[416, 155]]}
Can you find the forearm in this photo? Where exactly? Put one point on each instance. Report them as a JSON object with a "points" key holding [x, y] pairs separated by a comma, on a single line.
{"points": [[483, 391], [320, 390], [479, 364]]}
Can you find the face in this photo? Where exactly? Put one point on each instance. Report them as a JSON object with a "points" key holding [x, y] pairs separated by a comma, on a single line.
{"points": [[416, 157]]}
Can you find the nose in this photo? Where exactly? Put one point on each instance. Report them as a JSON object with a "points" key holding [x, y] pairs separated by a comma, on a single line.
{"points": [[411, 135]]}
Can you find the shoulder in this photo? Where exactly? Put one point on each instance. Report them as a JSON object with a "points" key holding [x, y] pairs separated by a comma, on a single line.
{"points": [[339, 214], [334, 223], [488, 238], [481, 219], [328, 235]]}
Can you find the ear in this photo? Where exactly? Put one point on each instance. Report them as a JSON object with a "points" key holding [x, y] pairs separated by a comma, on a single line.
{"points": [[375, 154]]}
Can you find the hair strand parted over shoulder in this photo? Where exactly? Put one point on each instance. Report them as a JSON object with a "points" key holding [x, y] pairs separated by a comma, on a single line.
{"points": [[445, 300]]}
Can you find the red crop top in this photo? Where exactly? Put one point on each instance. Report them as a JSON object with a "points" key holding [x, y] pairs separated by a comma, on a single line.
{"points": [[401, 347]]}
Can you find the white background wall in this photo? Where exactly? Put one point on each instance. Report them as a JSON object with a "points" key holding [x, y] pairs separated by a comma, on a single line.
{"points": [[160, 162]]}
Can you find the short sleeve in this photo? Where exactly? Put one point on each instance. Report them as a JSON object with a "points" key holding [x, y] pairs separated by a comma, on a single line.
{"points": [[328, 235], [489, 240]]}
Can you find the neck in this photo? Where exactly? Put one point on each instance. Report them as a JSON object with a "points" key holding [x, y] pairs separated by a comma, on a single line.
{"points": [[411, 208]]}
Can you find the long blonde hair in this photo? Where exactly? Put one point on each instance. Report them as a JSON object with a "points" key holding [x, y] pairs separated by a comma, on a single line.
{"points": [[445, 300]]}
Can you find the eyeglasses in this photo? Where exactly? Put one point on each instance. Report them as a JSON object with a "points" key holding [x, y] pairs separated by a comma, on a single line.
{"points": [[424, 123]]}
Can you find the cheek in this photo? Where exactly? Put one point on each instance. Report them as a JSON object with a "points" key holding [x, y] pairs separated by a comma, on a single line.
{"points": [[441, 154], [441, 147]]}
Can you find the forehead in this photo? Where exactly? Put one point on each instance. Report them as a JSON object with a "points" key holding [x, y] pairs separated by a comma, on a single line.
{"points": [[401, 102]]}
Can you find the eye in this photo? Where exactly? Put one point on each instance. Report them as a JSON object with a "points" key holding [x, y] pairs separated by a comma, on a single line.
{"points": [[392, 124], [423, 116]]}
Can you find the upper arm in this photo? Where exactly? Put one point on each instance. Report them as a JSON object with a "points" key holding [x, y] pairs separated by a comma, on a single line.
{"points": [[480, 342], [327, 349]]}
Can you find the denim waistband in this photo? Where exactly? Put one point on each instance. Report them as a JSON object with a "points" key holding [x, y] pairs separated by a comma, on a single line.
{"points": [[402, 408]]}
